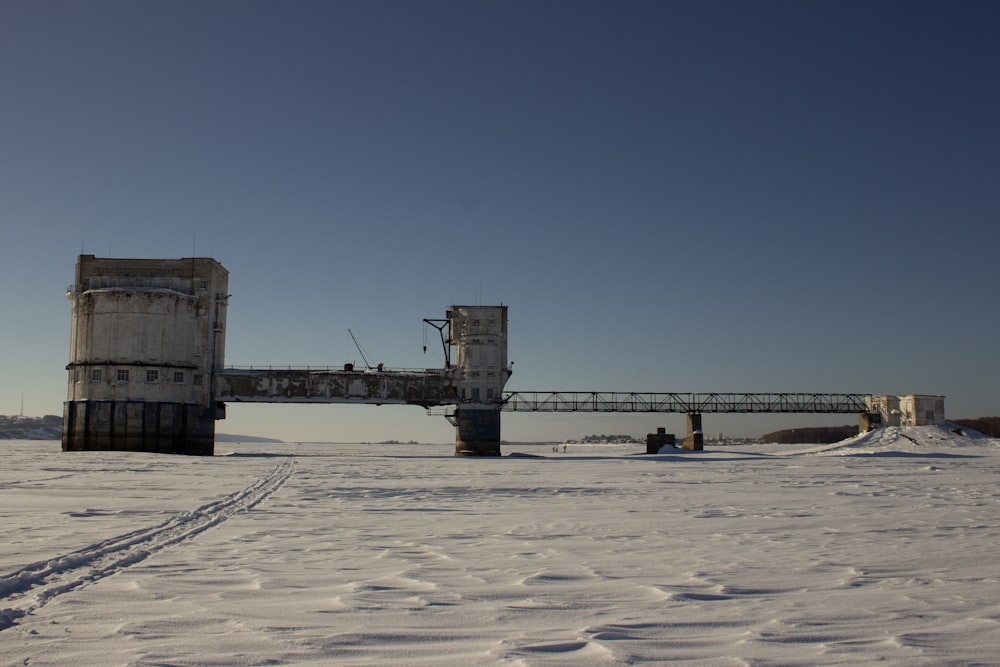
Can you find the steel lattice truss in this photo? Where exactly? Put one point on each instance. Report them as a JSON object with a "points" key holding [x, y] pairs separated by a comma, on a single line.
{"points": [[595, 401]]}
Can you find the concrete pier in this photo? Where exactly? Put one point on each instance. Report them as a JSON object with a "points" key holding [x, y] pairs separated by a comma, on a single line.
{"points": [[138, 426], [477, 432], [695, 439]]}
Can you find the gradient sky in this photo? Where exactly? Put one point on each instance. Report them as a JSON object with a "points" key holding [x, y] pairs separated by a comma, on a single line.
{"points": [[669, 196]]}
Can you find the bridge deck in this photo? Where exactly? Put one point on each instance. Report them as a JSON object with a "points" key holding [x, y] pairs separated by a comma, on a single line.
{"points": [[581, 401], [308, 385], [432, 387]]}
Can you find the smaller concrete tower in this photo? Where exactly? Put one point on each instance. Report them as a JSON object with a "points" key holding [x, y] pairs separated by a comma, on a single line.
{"points": [[148, 336], [479, 376]]}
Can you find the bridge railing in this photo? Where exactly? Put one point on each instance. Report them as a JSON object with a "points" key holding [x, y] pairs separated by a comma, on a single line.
{"points": [[325, 369], [593, 401]]}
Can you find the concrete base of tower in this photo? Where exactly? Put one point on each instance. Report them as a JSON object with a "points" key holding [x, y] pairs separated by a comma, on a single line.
{"points": [[138, 426], [477, 432], [695, 439]]}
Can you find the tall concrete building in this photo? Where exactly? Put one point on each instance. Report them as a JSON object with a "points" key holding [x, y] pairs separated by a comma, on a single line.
{"points": [[147, 338], [480, 373]]}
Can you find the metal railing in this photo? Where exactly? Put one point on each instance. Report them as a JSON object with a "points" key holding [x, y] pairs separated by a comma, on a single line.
{"points": [[579, 401], [356, 368]]}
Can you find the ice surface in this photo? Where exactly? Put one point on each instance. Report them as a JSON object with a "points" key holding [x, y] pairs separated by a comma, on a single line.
{"points": [[878, 549]]}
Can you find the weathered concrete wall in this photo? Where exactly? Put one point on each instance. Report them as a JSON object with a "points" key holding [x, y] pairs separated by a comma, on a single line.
{"points": [[908, 409], [481, 369], [920, 410]]}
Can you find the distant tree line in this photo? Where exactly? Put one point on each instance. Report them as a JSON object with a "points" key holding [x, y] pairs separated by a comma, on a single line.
{"points": [[821, 435], [986, 425]]}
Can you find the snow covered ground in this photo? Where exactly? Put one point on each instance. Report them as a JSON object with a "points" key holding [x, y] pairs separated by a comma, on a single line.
{"points": [[880, 549]]}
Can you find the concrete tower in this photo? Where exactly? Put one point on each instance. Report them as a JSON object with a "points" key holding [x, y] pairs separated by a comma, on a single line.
{"points": [[147, 338], [479, 376]]}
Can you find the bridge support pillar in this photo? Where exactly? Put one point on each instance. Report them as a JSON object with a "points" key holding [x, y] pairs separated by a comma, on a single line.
{"points": [[695, 439], [477, 432]]}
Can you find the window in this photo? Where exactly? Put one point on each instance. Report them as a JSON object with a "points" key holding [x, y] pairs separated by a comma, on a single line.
{"points": [[179, 377], [152, 375], [475, 393], [202, 284], [489, 392], [122, 375], [95, 374], [197, 379]]}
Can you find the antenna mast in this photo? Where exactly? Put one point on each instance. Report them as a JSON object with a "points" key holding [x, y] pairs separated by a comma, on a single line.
{"points": [[360, 351]]}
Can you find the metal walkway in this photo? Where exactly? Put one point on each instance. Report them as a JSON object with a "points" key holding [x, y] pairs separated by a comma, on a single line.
{"points": [[595, 401]]}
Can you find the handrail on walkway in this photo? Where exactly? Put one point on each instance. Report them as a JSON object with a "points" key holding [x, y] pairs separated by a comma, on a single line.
{"points": [[593, 401]]}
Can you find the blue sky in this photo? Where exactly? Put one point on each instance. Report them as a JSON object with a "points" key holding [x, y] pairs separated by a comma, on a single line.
{"points": [[669, 196]]}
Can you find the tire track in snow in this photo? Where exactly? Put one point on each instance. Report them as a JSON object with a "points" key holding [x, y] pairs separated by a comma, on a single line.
{"points": [[32, 586]]}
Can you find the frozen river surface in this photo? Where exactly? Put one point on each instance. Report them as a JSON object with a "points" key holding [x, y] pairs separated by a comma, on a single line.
{"points": [[882, 549]]}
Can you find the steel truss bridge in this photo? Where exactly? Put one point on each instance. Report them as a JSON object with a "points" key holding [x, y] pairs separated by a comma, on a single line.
{"points": [[596, 401]]}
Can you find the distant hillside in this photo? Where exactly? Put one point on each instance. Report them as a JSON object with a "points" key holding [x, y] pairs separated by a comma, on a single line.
{"points": [[48, 427], [821, 435]]}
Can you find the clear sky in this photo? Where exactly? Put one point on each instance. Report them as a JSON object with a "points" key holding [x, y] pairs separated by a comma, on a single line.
{"points": [[669, 196]]}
